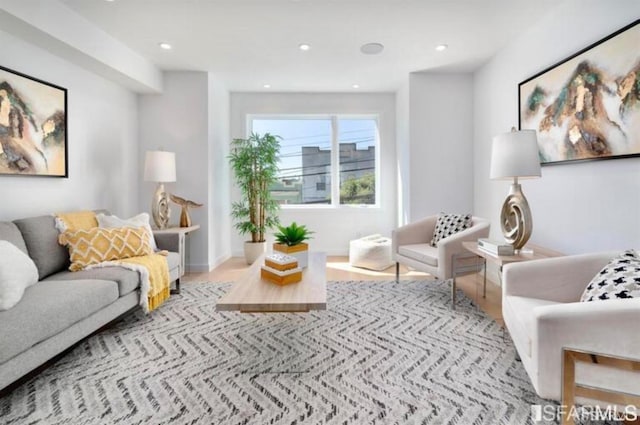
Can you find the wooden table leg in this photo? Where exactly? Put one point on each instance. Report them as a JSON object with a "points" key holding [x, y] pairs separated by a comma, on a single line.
{"points": [[568, 386]]}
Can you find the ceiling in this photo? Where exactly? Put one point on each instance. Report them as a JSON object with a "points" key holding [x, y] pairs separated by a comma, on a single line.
{"points": [[249, 43]]}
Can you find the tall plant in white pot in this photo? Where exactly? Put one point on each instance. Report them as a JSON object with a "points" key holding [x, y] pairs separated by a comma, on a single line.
{"points": [[254, 162]]}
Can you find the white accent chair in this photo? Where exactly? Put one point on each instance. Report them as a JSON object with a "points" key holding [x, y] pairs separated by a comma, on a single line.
{"points": [[411, 246], [543, 313]]}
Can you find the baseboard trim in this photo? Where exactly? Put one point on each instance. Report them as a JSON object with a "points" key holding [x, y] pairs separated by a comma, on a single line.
{"points": [[205, 268], [198, 268], [332, 253], [221, 259]]}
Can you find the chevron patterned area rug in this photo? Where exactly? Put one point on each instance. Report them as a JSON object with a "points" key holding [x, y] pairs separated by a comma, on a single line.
{"points": [[383, 353]]}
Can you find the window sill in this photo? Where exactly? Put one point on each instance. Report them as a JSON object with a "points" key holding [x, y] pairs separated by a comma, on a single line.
{"points": [[331, 207]]}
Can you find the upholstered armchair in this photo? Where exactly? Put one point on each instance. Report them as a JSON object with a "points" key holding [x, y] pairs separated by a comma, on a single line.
{"points": [[411, 246], [543, 313]]}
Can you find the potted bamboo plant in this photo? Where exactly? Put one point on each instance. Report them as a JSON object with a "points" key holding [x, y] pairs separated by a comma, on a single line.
{"points": [[254, 162], [290, 240]]}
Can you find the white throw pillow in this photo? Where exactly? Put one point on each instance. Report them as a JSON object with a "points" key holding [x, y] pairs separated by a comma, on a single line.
{"points": [[17, 272], [140, 220]]}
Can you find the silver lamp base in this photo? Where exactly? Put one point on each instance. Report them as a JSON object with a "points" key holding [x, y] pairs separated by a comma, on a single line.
{"points": [[160, 207], [515, 218]]}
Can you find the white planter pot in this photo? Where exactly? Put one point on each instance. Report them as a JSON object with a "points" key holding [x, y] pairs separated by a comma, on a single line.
{"points": [[253, 250]]}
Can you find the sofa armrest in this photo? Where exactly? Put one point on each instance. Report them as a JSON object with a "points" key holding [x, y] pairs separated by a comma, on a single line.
{"points": [[168, 241], [609, 326], [559, 279], [606, 327], [420, 231]]}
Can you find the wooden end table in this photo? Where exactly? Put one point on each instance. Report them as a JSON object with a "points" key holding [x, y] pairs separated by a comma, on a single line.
{"points": [[528, 253]]}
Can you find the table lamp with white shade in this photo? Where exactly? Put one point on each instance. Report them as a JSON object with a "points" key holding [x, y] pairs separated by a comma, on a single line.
{"points": [[514, 155], [160, 167]]}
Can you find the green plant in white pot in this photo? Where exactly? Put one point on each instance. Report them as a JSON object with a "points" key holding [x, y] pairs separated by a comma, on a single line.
{"points": [[291, 241], [254, 162]]}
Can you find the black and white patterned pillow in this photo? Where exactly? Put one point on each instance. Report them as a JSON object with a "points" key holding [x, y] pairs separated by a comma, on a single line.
{"points": [[450, 224], [619, 279]]}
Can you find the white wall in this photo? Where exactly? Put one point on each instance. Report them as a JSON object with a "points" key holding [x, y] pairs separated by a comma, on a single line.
{"points": [[403, 138], [102, 142], [579, 207], [441, 144], [334, 227], [178, 121], [191, 118], [219, 180]]}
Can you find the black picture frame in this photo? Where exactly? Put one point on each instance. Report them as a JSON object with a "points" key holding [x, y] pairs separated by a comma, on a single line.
{"points": [[33, 126], [587, 106]]}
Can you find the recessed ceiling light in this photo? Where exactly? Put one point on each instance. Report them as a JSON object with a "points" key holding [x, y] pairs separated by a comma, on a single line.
{"points": [[110, 1], [267, 86], [371, 48], [304, 47], [165, 46], [441, 47], [356, 86]]}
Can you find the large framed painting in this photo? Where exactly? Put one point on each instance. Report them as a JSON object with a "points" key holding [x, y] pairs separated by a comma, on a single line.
{"points": [[33, 126], [587, 106]]}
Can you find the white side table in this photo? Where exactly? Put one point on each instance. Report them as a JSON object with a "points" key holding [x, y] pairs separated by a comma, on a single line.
{"points": [[182, 233]]}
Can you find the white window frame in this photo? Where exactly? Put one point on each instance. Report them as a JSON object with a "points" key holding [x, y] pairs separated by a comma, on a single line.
{"points": [[335, 156]]}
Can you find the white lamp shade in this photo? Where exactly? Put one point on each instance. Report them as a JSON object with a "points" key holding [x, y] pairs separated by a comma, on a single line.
{"points": [[160, 166], [515, 154]]}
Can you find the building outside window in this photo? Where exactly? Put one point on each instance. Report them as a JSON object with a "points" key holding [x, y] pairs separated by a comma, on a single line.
{"points": [[328, 160]]}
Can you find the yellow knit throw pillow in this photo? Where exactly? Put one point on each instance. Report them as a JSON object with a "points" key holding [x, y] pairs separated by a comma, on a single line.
{"points": [[93, 246]]}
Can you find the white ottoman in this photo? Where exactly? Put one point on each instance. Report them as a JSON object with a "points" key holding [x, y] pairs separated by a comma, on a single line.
{"points": [[371, 252]]}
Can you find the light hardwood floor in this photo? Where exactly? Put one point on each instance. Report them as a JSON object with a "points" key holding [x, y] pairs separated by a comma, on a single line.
{"points": [[338, 268]]}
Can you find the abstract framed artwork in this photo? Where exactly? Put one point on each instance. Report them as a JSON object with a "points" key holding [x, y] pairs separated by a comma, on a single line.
{"points": [[33, 126], [587, 106]]}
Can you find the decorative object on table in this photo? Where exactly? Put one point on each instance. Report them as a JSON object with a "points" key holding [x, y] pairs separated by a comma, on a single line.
{"points": [[495, 247], [254, 162], [619, 279], [185, 218], [160, 167], [588, 105], [371, 252], [281, 269], [290, 240], [33, 126], [514, 155], [281, 262]]}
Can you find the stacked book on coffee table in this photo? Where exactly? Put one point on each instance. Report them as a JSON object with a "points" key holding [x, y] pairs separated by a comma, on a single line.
{"points": [[281, 269], [495, 247]]}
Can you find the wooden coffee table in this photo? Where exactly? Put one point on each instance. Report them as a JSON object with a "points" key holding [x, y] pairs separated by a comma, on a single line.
{"points": [[252, 294]]}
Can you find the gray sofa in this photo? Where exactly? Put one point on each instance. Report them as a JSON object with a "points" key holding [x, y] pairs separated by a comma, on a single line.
{"points": [[63, 307]]}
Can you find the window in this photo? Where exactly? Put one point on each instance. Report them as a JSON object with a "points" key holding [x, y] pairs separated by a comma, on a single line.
{"points": [[358, 161], [327, 160]]}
